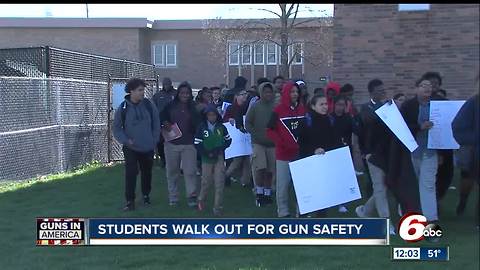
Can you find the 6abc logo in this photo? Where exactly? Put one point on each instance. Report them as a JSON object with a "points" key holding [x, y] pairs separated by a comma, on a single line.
{"points": [[413, 227]]}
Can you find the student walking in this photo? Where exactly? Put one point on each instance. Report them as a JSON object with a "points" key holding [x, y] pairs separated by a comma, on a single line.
{"points": [[343, 127], [211, 140], [316, 134], [263, 157], [161, 99], [416, 112], [282, 129], [182, 112], [377, 141], [234, 116], [137, 126]]}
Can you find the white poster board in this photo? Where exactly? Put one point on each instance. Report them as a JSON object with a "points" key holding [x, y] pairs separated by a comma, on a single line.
{"points": [[442, 113], [323, 181], [224, 107], [392, 117], [241, 143]]}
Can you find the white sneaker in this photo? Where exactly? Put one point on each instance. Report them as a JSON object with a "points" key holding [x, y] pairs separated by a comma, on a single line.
{"points": [[392, 230], [342, 209], [452, 188], [360, 211], [358, 173]]}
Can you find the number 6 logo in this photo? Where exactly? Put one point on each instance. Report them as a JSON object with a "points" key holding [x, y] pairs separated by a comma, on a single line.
{"points": [[411, 227]]}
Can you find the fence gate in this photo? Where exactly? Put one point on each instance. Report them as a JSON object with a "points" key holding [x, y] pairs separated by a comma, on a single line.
{"points": [[116, 94]]}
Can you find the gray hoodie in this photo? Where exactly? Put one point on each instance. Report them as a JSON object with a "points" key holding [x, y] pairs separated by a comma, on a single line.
{"points": [[138, 126]]}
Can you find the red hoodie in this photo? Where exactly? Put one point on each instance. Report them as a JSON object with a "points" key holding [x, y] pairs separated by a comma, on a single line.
{"points": [[286, 147], [336, 87]]}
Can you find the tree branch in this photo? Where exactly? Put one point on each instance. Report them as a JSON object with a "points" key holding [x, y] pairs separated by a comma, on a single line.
{"points": [[294, 17], [269, 11], [304, 21]]}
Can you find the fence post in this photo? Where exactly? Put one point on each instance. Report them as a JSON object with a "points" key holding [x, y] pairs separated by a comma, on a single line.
{"points": [[61, 141], [47, 61], [109, 128]]}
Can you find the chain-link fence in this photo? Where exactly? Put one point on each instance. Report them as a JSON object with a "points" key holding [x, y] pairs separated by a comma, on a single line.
{"points": [[54, 111], [50, 125], [60, 63]]}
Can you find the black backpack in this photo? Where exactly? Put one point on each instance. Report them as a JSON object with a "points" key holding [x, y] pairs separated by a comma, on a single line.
{"points": [[123, 107]]}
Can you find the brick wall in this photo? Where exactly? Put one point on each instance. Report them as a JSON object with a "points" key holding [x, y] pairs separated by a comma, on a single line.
{"points": [[197, 63], [114, 42], [378, 41]]}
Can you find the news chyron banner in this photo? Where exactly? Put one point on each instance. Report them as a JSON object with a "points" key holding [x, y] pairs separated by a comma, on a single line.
{"points": [[235, 231]]}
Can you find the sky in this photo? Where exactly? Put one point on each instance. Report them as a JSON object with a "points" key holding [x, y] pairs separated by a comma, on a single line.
{"points": [[158, 11]]}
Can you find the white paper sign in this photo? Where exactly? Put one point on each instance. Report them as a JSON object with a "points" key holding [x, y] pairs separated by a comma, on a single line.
{"points": [[323, 181], [224, 107], [392, 117], [241, 143], [442, 113]]}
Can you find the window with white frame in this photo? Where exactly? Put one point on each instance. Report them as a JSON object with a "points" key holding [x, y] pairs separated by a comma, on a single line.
{"points": [[234, 53], [165, 54], [259, 58], [296, 50], [171, 53], [246, 54], [272, 53]]}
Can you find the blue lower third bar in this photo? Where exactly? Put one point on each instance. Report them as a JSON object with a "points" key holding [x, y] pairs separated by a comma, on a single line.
{"points": [[170, 231], [434, 254]]}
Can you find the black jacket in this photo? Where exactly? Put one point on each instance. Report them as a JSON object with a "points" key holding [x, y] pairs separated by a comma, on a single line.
{"points": [[410, 110], [343, 126], [317, 131], [376, 135]]}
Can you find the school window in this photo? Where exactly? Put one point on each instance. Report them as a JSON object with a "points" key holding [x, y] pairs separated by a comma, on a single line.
{"points": [[272, 54], [165, 54], [246, 55], [296, 51], [234, 53], [171, 51], [259, 55], [413, 7]]}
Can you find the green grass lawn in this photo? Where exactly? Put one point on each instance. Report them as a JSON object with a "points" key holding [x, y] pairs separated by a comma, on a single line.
{"points": [[98, 192]]}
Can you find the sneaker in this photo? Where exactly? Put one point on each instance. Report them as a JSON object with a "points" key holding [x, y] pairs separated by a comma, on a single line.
{"points": [[360, 211], [130, 206], [452, 188], [173, 203], [342, 209], [268, 199], [146, 200], [358, 173], [199, 173], [392, 230], [192, 202], [259, 200], [201, 206]]}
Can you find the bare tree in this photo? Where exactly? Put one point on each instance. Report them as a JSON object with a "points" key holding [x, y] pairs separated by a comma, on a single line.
{"points": [[282, 31]]}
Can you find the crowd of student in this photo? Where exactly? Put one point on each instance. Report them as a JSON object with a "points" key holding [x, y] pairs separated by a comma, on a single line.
{"points": [[286, 124]]}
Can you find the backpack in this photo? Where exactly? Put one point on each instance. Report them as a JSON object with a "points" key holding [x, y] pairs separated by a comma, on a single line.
{"points": [[123, 107]]}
